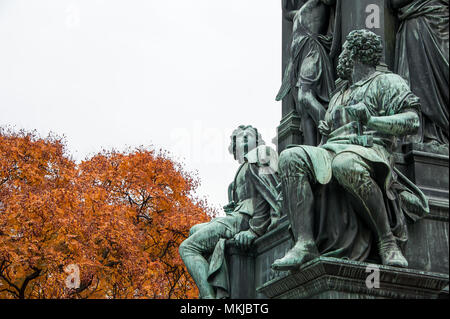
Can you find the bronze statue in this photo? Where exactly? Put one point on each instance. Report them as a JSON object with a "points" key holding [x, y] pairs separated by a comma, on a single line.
{"points": [[309, 72], [253, 210], [345, 193]]}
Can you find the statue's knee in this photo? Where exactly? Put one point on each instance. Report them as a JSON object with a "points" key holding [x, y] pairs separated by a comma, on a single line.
{"points": [[339, 165], [303, 100], [195, 228], [346, 169], [283, 161], [184, 248], [290, 161]]}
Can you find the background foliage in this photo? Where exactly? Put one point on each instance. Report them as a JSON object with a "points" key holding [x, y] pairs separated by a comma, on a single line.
{"points": [[119, 216]]}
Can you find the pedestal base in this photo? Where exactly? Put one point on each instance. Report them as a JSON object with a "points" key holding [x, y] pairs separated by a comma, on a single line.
{"points": [[332, 278], [427, 251]]}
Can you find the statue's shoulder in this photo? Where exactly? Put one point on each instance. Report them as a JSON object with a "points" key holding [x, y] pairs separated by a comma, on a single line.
{"points": [[389, 79], [388, 75], [263, 155], [340, 85]]}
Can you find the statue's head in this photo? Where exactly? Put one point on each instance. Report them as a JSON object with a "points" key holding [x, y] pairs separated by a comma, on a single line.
{"points": [[244, 139], [364, 46]]}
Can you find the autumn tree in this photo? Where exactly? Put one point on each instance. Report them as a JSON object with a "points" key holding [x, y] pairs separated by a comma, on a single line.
{"points": [[119, 217]]}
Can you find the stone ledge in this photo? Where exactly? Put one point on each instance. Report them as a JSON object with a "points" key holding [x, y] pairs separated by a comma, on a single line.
{"points": [[421, 148], [439, 210], [346, 279]]}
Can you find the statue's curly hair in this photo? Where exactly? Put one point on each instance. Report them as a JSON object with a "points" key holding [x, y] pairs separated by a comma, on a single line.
{"points": [[365, 46], [232, 147]]}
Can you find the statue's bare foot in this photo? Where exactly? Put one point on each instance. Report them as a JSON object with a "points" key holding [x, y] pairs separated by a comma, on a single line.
{"points": [[297, 256], [391, 255]]}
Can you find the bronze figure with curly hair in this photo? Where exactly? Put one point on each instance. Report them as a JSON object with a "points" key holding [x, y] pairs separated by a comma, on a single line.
{"points": [[341, 197]]}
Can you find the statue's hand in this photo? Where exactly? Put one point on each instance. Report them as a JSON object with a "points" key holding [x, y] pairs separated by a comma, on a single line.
{"points": [[273, 223], [245, 238], [359, 113], [229, 208], [324, 128]]}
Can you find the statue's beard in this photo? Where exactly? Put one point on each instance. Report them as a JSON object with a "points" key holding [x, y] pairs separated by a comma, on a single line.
{"points": [[344, 69]]}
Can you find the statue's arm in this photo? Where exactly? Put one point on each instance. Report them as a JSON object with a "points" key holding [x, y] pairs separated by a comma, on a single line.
{"points": [[289, 9], [230, 192], [324, 129], [401, 106], [289, 15], [257, 224], [231, 204], [405, 123], [400, 124], [289, 5], [400, 3], [308, 100], [261, 218]]}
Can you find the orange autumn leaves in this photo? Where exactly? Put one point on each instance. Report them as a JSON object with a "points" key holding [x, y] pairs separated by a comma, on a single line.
{"points": [[118, 216]]}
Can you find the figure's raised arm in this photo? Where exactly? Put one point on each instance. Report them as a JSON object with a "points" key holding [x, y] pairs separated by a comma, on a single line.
{"points": [[289, 15], [405, 123], [400, 124], [288, 5], [290, 8]]}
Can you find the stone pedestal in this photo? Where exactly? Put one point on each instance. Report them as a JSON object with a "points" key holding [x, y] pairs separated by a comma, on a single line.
{"points": [[429, 170], [331, 278], [289, 131], [242, 265]]}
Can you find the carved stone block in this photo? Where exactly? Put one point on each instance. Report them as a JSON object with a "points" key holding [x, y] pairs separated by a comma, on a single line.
{"points": [[326, 278]]}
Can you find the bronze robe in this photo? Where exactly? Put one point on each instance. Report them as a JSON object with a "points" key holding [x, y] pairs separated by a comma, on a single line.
{"points": [[421, 57]]}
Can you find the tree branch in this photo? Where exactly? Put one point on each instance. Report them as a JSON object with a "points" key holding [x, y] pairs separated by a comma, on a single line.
{"points": [[34, 275]]}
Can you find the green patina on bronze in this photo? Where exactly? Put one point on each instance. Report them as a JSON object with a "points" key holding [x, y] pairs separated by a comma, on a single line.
{"points": [[340, 190], [252, 211], [422, 57], [309, 72], [346, 193]]}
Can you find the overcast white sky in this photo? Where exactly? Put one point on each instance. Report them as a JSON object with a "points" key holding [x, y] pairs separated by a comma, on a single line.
{"points": [[175, 74]]}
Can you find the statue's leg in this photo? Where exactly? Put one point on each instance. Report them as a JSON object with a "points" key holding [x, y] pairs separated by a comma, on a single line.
{"points": [[309, 129], [196, 228], [298, 200], [311, 105], [354, 174], [202, 241], [312, 111]]}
